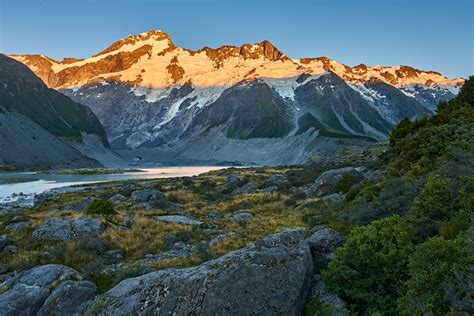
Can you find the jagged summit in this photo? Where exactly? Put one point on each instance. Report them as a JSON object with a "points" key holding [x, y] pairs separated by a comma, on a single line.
{"points": [[150, 59]]}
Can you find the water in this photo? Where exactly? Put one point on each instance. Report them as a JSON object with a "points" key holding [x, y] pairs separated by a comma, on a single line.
{"points": [[47, 181]]}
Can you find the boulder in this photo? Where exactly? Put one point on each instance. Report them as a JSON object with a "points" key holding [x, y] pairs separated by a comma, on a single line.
{"points": [[178, 219], [270, 276], [69, 298], [233, 182], [246, 189], [18, 226], [5, 241], [26, 292], [81, 205], [325, 184], [324, 242], [118, 198], [56, 228], [151, 198], [242, 217], [278, 180], [270, 189]]}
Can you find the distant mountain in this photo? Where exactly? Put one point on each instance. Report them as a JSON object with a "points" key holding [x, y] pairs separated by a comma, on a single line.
{"points": [[38, 125], [245, 104]]}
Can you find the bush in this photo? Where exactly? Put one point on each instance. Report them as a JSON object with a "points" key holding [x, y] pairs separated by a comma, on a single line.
{"points": [[103, 207], [432, 288], [345, 183], [436, 200], [314, 307], [451, 229], [368, 271]]}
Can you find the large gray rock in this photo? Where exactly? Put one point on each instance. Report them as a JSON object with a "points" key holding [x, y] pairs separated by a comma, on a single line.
{"points": [[151, 198], [178, 219], [278, 180], [18, 226], [242, 217], [325, 184], [324, 242], [118, 198], [245, 189], [81, 205], [26, 292], [56, 228], [233, 183], [69, 298], [268, 277]]}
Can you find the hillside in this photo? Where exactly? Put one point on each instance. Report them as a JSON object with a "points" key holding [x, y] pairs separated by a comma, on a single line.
{"points": [[359, 232], [39, 125]]}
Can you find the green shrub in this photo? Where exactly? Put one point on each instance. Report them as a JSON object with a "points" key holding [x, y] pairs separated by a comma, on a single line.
{"points": [[368, 271], [345, 183], [314, 307], [432, 288], [450, 229], [102, 207], [435, 201]]}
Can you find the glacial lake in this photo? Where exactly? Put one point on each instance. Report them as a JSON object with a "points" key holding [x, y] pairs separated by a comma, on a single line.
{"points": [[46, 181]]}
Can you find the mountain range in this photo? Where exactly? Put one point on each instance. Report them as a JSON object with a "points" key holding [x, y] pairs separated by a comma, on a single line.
{"points": [[250, 104]]}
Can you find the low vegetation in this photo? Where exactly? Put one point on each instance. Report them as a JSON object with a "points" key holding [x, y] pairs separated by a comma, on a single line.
{"points": [[409, 247]]}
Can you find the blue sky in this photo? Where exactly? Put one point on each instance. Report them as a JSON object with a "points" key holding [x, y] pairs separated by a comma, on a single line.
{"points": [[427, 34]]}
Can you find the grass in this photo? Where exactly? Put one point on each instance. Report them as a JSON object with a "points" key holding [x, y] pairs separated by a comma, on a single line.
{"points": [[199, 197]]}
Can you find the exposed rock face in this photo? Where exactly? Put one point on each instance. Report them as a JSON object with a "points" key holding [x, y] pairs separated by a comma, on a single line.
{"points": [[278, 180], [81, 205], [32, 117], [26, 292], [270, 276], [246, 189], [150, 198], [69, 298], [326, 182], [18, 226], [242, 216], [324, 242], [246, 105], [56, 228], [178, 219]]}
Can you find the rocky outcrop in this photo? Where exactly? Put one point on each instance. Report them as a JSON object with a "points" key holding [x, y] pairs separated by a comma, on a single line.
{"points": [[325, 184], [81, 205], [56, 228], [178, 219], [69, 298], [270, 276], [41, 289], [278, 180], [151, 198], [324, 242], [14, 227]]}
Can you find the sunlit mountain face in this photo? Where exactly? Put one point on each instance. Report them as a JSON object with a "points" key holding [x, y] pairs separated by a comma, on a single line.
{"points": [[208, 103]]}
